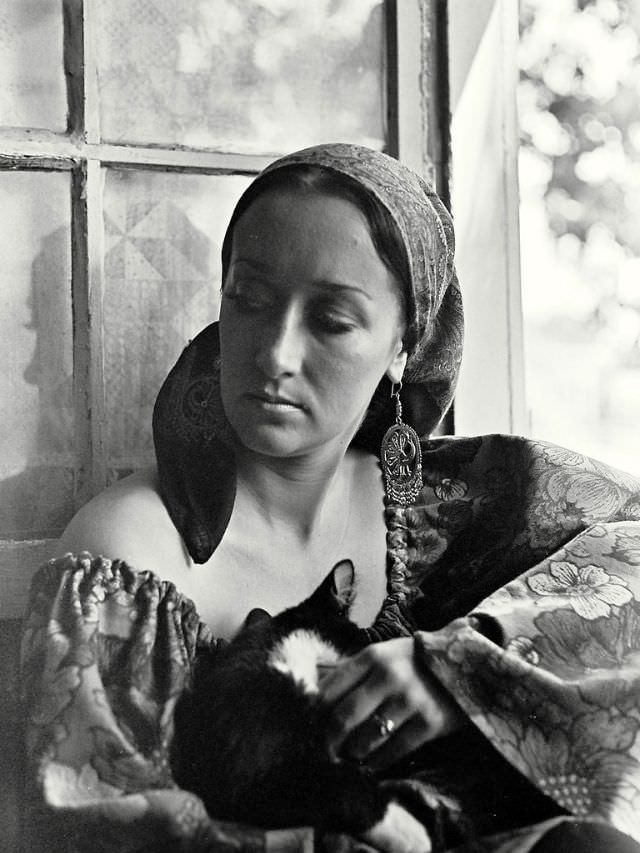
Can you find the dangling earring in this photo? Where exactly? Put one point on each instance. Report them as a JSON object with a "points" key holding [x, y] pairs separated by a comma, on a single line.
{"points": [[401, 458]]}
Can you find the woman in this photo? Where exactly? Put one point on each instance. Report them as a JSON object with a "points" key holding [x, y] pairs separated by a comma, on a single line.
{"points": [[496, 575]]}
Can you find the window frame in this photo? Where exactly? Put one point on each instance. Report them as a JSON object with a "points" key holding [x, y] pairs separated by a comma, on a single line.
{"points": [[485, 202], [416, 133]]}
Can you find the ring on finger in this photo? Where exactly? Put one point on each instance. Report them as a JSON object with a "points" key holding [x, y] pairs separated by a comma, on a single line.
{"points": [[386, 725]]}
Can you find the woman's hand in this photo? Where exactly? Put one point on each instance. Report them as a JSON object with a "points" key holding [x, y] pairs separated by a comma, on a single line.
{"points": [[384, 706]]}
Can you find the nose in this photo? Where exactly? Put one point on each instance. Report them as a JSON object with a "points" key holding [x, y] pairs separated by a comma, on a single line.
{"points": [[281, 347]]}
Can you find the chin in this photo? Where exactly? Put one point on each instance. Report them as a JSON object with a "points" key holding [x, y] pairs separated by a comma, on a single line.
{"points": [[270, 441]]}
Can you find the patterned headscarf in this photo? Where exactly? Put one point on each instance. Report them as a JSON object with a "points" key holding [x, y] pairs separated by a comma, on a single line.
{"points": [[193, 442]]}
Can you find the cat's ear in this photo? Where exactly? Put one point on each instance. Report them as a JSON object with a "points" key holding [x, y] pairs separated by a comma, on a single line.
{"points": [[343, 583], [337, 590], [257, 616]]}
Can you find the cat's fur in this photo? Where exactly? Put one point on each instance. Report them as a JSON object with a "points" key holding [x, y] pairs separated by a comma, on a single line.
{"points": [[250, 734]]}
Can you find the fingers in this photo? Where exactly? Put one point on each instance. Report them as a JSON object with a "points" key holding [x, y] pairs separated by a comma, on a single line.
{"points": [[405, 740], [343, 678], [380, 679], [382, 684], [374, 731], [382, 661], [354, 709]]}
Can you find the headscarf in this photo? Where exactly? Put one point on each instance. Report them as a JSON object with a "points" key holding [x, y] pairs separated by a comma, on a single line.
{"points": [[193, 441]]}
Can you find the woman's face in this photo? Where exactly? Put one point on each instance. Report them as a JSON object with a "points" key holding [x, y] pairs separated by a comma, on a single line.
{"points": [[310, 322]]}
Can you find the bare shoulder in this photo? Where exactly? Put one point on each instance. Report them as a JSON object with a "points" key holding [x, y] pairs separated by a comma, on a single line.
{"points": [[127, 521]]}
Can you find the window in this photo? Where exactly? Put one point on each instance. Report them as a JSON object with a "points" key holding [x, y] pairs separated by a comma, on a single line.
{"points": [[580, 189], [569, 373], [128, 128], [484, 199]]}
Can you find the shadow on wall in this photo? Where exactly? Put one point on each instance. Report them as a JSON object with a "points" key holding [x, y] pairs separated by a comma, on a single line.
{"points": [[37, 502], [151, 285]]}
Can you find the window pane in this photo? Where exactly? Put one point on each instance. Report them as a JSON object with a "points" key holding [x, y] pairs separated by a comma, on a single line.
{"points": [[37, 460], [163, 235], [251, 76], [33, 90], [580, 201]]}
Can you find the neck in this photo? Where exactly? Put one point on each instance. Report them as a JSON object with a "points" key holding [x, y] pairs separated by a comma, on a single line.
{"points": [[299, 495]]}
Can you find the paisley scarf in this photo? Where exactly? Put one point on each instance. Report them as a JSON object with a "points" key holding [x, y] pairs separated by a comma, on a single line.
{"points": [[192, 439]]}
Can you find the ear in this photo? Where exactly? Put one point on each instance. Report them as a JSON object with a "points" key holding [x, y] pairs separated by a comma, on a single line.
{"points": [[395, 370], [256, 617], [343, 583], [337, 589]]}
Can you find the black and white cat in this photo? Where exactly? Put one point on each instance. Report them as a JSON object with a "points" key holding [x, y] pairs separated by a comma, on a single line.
{"points": [[250, 733]]}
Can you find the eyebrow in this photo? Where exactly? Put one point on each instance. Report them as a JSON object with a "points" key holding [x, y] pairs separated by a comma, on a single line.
{"points": [[326, 283], [339, 285], [252, 263]]}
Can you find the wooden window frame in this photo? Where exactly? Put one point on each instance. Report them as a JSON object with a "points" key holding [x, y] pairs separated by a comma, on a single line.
{"points": [[416, 133], [482, 43]]}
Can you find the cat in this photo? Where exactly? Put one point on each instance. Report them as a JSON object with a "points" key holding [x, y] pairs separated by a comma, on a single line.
{"points": [[250, 738]]}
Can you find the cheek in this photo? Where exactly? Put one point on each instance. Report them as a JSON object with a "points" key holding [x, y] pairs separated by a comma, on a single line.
{"points": [[350, 379], [236, 339], [234, 355]]}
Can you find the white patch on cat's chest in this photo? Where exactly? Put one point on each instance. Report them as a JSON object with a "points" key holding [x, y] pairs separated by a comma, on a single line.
{"points": [[299, 655]]}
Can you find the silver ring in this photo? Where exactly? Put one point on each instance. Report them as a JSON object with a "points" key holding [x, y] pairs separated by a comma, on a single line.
{"points": [[385, 725]]}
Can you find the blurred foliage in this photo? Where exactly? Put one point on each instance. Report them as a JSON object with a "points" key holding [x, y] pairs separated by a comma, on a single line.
{"points": [[579, 112], [579, 104], [580, 73]]}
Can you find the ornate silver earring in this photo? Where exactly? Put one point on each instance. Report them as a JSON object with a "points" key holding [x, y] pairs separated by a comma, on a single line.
{"points": [[401, 458]]}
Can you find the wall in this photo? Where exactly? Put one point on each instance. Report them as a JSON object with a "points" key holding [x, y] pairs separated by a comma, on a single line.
{"points": [[484, 136]]}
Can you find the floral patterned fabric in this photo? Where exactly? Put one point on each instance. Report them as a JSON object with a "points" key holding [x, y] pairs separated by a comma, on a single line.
{"points": [[517, 571]]}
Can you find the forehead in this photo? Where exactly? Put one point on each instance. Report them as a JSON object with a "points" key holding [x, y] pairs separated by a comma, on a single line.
{"points": [[305, 238], [303, 219]]}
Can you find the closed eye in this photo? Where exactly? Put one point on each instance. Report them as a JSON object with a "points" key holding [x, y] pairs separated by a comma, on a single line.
{"points": [[334, 316], [249, 297], [332, 323]]}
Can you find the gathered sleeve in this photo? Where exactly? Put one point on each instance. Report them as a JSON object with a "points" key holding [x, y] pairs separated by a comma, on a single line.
{"points": [[547, 664], [106, 652]]}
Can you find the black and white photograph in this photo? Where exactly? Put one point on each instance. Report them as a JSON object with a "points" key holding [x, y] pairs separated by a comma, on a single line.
{"points": [[320, 434]]}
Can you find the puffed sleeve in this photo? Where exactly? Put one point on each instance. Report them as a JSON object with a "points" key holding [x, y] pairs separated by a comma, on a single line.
{"points": [[106, 652]]}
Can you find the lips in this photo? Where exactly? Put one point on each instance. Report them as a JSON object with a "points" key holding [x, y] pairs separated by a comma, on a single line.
{"points": [[275, 400]]}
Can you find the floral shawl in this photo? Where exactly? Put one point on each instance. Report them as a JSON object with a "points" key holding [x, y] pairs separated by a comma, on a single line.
{"points": [[517, 571]]}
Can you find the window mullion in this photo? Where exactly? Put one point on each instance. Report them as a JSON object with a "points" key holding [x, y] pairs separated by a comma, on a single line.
{"points": [[88, 329], [178, 159], [435, 83], [91, 94], [88, 380], [413, 46], [72, 11], [21, 148], [391, 76]]}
